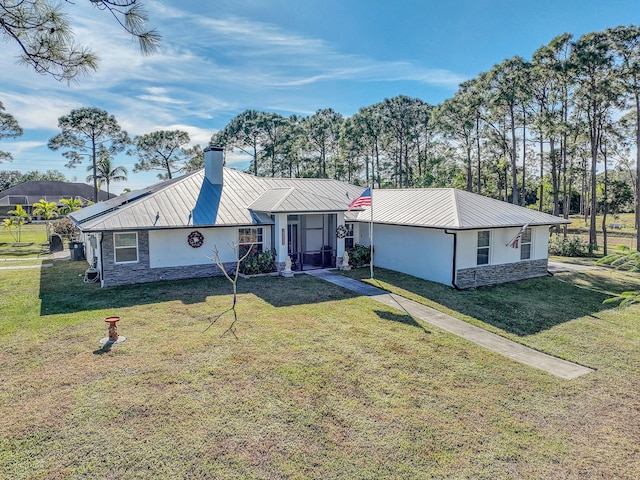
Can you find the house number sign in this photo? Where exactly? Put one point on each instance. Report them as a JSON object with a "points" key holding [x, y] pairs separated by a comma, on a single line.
{"points": [[195, 239]]}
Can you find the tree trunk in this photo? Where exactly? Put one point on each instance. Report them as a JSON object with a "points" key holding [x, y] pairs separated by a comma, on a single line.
{"points": [[583, 193], [605, 204], [567, 194], [554, 180], [593, 239], [541, 173], [95, 170], [478, 151], [637, 172], [514, 169], [469, 171], [377, 167], [524, 158]]}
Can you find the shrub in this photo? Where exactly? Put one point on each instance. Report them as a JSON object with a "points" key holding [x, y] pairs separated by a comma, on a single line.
{"points": [[569, 247], [64, 226], [359, 256], [256, 263]]}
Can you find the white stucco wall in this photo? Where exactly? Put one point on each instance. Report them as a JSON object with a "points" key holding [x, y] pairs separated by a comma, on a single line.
{"points": [[421, 252], [169, 248], [499, 252]]}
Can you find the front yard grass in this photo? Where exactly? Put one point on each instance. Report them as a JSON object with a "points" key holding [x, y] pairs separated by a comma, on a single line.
{"points": [[33, 243], [320, 383]]}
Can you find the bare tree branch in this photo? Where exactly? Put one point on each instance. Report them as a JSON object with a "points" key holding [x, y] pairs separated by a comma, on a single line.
{"points": [[234, 281]]}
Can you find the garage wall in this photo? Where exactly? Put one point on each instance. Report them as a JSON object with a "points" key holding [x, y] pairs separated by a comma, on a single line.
{"points": [[499, 252], [421, 252]]}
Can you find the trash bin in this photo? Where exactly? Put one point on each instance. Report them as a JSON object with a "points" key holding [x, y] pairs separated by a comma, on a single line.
{"points": [[55, 243], [77, 250]]}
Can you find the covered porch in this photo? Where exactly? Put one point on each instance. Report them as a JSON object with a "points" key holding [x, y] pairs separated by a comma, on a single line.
{"points": [[308, 229], [312, 242]]}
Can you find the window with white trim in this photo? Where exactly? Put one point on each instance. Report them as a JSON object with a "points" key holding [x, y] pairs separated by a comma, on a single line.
{"points": [[482, 257], [525, 245], [125, 247], [348, 238], [248, 236]]}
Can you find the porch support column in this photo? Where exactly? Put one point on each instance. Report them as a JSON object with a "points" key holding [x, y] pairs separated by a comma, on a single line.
{"points": [[340, 241], [281, 239]]}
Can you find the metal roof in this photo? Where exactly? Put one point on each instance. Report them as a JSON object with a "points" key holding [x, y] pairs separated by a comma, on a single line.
{"points": [[244, 199], [192, 200], [294, 200], [449, 208]]}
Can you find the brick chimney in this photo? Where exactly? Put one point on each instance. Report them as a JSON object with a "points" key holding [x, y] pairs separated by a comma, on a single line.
{"points": [[213, 163]]}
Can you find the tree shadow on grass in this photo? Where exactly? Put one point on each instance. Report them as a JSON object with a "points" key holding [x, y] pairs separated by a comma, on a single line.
{"points": [[520, 308], [403, 318], [62, 290]]}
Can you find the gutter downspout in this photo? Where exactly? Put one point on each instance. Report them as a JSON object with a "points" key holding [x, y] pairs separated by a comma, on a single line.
{"points": [[455, 255], [101, 261]]}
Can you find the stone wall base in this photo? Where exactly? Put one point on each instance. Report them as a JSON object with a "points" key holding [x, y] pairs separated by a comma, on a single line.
{"points": [[495, 274], [144, 275]]}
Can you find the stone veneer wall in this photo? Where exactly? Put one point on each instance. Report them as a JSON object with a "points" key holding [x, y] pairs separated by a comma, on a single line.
{"points": [[140, 272], [494, 274]]}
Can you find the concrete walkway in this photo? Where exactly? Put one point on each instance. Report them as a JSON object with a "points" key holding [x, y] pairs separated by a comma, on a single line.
{"points": [[27, 267], [515, 351], [58, 256]]}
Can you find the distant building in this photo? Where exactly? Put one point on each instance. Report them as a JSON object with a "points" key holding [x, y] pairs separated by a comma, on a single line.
{"points": [[28, 193]]}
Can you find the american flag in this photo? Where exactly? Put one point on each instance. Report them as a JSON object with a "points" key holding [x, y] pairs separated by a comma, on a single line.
{"points": [[516, 240], [363, 200]]}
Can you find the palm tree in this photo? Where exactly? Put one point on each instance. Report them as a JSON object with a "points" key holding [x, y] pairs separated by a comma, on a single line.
{"points": [[46, 210], [69, 205], [105, 171], [18, 217], [9, 224]]}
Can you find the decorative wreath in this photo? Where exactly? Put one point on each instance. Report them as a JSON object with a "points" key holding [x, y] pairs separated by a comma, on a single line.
{"points": [[341, 231], [195, 239]]}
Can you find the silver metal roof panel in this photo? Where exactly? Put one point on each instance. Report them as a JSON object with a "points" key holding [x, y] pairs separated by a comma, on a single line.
{"points": [[449, 208]]}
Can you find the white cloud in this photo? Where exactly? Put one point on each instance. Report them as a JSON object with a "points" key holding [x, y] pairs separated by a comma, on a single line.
{"points": [[237, 159], [261, 55], [38, 111], [207, 70], [161, 99], [198, 136]]}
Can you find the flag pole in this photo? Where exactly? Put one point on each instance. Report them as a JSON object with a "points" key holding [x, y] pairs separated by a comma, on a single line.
{"points": [[371, 233]]}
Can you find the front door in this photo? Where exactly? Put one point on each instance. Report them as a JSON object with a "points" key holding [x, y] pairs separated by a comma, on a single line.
{"points": [[293, 249]]}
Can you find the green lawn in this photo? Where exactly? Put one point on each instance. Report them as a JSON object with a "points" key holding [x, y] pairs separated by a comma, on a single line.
{"points": [[626, 222], [320, 383], [624, 236], [33, 243]]}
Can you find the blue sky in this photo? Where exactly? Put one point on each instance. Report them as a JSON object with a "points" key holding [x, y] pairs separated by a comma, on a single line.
{"points": [[220, 58]]}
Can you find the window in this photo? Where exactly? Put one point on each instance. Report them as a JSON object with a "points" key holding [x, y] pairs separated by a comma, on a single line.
{"points": [[125, 247], [348, 239], [525, 245], [248, 236], [483, 248]]}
